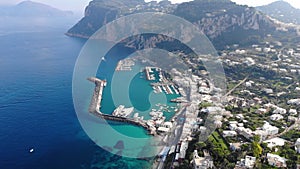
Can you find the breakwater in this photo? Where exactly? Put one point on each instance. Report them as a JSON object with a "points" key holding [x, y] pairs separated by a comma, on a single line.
{"points": [[95, 105]]}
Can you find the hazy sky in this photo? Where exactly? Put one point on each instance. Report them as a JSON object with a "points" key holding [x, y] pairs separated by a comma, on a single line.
{"points": [[80, 4]]}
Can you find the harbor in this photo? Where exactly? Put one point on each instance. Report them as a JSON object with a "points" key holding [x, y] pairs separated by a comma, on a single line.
{"points": [[95, 105], [156, 120]]}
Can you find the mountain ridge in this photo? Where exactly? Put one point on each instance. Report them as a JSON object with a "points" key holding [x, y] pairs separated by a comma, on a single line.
{"points": [[33, 9], [224, 22], [282, 11]]}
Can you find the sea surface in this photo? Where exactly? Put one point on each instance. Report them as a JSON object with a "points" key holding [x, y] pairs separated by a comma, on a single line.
{"points": [[36, 108]]}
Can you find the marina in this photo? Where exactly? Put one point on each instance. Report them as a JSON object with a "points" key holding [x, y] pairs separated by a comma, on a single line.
{"points": [[167, 88], [161, 83], [154, 120], [124, 115], [95, 105]]}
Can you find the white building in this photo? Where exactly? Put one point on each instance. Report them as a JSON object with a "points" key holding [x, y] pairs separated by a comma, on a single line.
{"points": [[269, 105], [261, 111], [276, 160], [294, 102], [269, 129], [248, 84], [293, 112], [232, 126], [201, 162], [276, 117], [163, 130], [263, 134], [249, 61], [246, 132], [228, 133], [182, 152], [248, 162], [297, 146], [279, 110], [268, 91], [167, 124], [275, 142]]}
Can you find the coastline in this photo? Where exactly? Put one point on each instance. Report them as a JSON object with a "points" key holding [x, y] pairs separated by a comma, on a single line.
{"points": [[77, 35]]}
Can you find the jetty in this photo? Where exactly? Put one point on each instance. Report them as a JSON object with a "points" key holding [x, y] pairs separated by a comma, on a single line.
{"points": [[95, 105], [97, 96]]}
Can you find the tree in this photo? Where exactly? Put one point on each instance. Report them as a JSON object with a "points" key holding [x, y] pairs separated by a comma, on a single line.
{"points": [[265, 147], [256, 138], [291, 164], [200, 145], [245, 147], [205, 105], [219, 153], [256, 149]]}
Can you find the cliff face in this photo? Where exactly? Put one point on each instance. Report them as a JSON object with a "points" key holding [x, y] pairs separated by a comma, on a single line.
{"points": [[96, 15], [222, 21], [226, 23], [246, 20]]}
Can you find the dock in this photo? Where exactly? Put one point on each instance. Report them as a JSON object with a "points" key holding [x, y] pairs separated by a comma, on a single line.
{"points": [[168, 90], [149, 75], [164, 87], [95, 105]]}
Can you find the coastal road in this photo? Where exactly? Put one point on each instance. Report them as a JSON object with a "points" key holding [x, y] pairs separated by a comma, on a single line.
{"points": [[295, 125], [241, 82], [175, 133], [177, 129]]}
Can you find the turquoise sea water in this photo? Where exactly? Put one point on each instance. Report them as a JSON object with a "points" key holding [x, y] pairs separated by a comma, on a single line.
{"points": [[138, 91]]}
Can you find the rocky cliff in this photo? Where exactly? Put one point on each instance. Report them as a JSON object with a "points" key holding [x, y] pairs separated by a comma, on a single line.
{"points": [[223, 21]]}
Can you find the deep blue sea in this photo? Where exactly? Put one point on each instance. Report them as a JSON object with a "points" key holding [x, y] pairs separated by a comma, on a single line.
{"points": [[36, 108]]}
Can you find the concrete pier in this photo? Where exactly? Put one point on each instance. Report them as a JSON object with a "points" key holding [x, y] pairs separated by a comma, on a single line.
{"points": [[126, 120], [96, 104], [97, 96]]}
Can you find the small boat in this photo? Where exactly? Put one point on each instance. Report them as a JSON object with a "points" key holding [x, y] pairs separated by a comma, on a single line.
{"points": [[31, 150]]}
